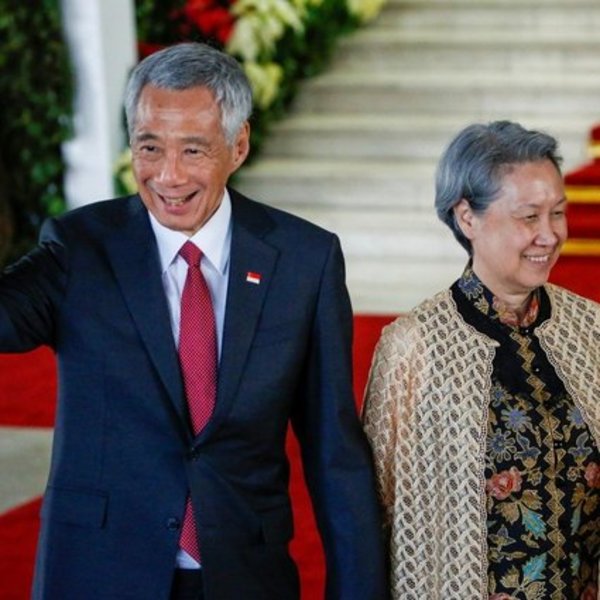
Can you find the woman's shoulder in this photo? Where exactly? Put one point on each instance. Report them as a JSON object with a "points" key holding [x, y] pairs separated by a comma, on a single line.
{"points": [[571, 306], [409, 327]]}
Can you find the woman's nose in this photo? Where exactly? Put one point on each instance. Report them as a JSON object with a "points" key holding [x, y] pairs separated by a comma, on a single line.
{"points": [[548, 233]]}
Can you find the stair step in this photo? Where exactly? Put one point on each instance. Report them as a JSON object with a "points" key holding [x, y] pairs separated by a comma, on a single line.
{"points": [[393, 257], [392, 287], [396, 137], [514, 15], [302, 184], [386, 50], [458, 93], [392, 232]]}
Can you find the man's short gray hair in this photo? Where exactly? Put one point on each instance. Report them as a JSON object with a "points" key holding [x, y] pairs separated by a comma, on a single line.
{"points": [[188, 65]]}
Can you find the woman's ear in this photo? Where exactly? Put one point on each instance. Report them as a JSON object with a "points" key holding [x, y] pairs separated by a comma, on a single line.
{"points": [[464, 216]]}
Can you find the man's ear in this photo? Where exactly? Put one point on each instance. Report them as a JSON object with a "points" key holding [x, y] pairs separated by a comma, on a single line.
{"points": [[241, 146], [464, 216]]}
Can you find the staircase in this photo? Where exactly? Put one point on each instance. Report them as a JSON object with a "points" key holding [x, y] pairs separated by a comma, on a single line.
{"points": [[357, 154]]}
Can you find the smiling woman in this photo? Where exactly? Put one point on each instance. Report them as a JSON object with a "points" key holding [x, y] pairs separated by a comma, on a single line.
{"points": [[517, 240], [488, 391]]}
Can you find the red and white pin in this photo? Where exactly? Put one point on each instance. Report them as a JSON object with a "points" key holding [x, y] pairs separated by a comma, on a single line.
{"points": [[252, 277]]}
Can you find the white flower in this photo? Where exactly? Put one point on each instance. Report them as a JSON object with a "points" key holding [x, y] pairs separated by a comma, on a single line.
{"points": [[260, 24], [265, 80], [244, 41]]}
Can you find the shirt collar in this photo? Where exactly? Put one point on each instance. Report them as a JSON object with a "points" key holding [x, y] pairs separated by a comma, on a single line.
{"points": [[484, 300], [214, 238]]}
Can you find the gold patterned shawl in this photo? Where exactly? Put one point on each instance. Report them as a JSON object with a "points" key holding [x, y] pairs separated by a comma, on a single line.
{"points": [[425, 414]]}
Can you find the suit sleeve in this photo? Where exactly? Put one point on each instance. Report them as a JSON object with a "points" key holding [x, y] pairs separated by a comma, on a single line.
{"points": [[30, 293], [336, 455]]}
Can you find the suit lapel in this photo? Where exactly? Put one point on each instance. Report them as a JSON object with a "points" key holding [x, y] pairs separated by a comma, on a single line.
{"points": [[134, 258], [250, 255]]}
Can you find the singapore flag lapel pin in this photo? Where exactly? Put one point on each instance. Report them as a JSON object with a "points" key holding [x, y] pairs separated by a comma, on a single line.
{"points": [[252, 277]]}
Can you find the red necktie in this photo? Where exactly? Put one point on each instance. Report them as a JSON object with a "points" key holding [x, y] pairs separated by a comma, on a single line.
{"points": [[198, 360]]}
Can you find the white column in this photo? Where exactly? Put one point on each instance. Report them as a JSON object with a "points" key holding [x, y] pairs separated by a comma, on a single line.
{"points": [[102, 40]]}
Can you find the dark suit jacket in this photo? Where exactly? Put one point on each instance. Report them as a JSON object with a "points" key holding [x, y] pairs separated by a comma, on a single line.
{"points": [[124, 456]]}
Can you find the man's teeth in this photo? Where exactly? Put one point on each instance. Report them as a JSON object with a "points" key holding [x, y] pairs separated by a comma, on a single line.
{"points": [[175, 201]]}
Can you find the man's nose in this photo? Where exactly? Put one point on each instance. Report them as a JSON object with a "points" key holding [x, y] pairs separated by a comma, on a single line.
{"points": [[171, 170]]}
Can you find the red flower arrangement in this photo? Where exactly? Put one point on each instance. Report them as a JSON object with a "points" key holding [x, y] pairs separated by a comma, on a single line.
{"points": [[206, 20], [209, 17]]}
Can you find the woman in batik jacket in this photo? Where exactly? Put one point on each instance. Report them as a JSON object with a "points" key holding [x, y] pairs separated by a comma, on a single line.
{"points": [[483, 403]]}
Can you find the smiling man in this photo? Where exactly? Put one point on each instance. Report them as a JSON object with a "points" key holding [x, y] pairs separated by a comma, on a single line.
{"points": [[191, 326], [182, 157]]}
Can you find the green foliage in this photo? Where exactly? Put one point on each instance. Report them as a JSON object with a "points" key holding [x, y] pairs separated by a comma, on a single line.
{"points": [[153, 20], [36, 92]]}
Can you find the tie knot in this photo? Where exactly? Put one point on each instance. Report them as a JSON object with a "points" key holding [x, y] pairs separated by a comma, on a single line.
{"points": [[191, 254]]}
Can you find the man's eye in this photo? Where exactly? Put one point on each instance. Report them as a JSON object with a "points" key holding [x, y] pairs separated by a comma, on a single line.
{"points": [[146, 149], [531, 218]]}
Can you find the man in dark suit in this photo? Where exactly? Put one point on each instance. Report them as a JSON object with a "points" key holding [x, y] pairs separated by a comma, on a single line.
{"points": [[106, 288]]}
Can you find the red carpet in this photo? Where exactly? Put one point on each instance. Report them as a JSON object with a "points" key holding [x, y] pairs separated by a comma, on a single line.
{"points": [[18, 537], [581, 274], [27, 391]]}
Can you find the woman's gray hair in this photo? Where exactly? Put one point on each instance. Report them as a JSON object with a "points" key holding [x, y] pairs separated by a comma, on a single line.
{"points": [[473, 166], [188, 65]]}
